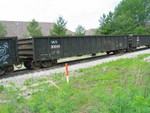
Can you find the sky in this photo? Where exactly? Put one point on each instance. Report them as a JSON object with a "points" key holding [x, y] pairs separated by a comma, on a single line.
{"points": [[75, 12]]}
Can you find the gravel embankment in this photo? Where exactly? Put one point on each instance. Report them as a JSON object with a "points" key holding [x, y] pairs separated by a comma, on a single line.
{"points": [[45, 73]]}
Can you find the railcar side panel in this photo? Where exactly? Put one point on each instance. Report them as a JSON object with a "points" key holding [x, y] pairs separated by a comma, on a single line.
{"points": [[139, 40], [41, 49]]}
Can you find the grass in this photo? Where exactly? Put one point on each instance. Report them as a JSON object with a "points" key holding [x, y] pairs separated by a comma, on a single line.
{"points": [[29, 81], [1, 88], [121, 86], [79, 57]]}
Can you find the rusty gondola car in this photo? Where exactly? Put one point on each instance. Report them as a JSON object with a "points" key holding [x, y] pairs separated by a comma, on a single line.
{"points": [[8, 54]]}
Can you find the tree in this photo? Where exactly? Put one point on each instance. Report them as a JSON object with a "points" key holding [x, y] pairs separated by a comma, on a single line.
{"points": [[34, 29], [135, 9], [129, 17], [59, 27], [124, 25], [106, 24], [3, 31], [141, 30], [136, 16], [80, 31]]}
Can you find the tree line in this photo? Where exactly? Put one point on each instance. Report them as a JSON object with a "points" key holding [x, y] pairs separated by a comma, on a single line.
{"points": [[34, 29], [129, 17]]}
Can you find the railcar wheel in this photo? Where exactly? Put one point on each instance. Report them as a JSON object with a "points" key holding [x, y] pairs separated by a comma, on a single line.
{"points": [[2, 71], [133, 49], [54, 62], [93, 54], [10, 69], [36, 65], [121, 51], [115, 52], [108, 52], [27, 64], [46, 64]]}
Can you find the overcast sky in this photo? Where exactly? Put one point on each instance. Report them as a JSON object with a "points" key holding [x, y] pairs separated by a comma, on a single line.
{"points": [[75, 12]]}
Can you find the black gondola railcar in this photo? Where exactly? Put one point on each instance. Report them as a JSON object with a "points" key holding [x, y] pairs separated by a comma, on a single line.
{"points": [[42, 51]]}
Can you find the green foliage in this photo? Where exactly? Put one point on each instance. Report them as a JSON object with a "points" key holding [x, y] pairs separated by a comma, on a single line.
{"points": [[141, 30], [29, 81], [59, 27], [129, 17], [33, 29], [3, 31], [124, 25], [80, 31], [106, 23], [15, 100], [121, 86], [1, 88]]}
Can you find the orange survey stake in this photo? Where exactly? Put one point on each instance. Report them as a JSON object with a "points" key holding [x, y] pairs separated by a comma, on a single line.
{"points": [[67, 73]]}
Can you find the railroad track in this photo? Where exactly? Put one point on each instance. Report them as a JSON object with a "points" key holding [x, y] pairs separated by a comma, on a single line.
{"points": [[61, 64]]}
